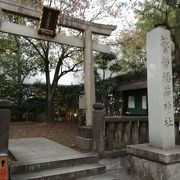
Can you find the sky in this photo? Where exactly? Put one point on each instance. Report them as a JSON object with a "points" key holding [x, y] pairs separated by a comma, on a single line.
{"points": [[127, 17]]}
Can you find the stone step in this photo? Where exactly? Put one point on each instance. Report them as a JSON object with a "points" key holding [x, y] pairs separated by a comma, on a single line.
{"points": [[120, 174], [58, 163], [64, 173], [99, 177]]}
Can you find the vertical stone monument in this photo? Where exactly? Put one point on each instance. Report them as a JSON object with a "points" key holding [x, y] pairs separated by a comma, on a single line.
{"points": [[160, 91], [160, 159]]}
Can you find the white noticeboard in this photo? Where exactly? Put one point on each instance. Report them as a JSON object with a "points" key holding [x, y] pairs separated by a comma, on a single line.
{"points": [[82, 102]]}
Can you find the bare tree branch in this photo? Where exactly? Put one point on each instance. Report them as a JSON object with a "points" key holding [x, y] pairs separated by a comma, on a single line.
{"points": [[35, 48], [69, 70]]}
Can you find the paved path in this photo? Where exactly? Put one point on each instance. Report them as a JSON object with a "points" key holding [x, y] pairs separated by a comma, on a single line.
{"points": [[36, 150]]}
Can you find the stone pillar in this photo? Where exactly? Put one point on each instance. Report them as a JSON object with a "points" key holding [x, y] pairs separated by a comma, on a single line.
{"points": [[161, 158], [98, 128], [5, 115], [160, 91], [89, 76]]}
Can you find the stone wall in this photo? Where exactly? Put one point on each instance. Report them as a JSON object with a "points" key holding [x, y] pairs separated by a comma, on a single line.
{"points": [[149, 170]]}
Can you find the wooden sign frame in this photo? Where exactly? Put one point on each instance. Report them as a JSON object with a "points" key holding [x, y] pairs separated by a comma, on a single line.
{"points": [[49, 21]]}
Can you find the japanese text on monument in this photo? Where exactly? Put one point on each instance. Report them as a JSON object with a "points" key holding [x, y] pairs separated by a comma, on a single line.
{"points": [[167, 81]]}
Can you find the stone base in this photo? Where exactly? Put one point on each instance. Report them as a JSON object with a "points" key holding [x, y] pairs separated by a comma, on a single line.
{"points": [[84, 143], [113, 160], [84, 139], [112, 154], [149, 163]]}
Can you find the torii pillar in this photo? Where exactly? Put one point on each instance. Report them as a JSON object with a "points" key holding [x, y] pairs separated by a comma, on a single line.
{"points": [[89, 83], [85, 133]]}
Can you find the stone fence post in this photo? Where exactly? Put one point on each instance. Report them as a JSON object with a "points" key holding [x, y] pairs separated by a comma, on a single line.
{"points": [[98, 127], [5, 115]]}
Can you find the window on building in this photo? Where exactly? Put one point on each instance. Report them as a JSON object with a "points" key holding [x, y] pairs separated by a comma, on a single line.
{"points": [[131, 102], [144, 102]]}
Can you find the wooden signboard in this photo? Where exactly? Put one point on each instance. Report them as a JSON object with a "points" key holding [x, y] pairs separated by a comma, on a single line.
{"points": [[4, 167], [49, 21]]}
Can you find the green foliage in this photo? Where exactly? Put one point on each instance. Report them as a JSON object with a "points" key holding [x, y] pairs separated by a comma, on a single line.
{"points": [[34, 105], [132, 51], [31, 98], [67, 97], [17, 58], [149, 14], [103, 59], [106, 93], [152, 13], [106, 62], [157, 13]]}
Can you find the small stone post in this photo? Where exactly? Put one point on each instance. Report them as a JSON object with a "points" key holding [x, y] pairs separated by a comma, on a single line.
{"points": [[98, 128], [5, 115]]}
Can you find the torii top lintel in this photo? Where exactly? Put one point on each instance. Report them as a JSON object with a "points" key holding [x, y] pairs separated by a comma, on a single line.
{"points": [[12, 6]]}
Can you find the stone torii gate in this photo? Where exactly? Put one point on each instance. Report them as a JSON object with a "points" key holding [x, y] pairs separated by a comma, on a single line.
{"points": [[88, 29]]}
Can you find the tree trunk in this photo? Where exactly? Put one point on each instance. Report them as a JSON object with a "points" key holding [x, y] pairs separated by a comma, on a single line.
{"points": [[50, 103], [50, 91], [50, 109], [49, 95]]}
